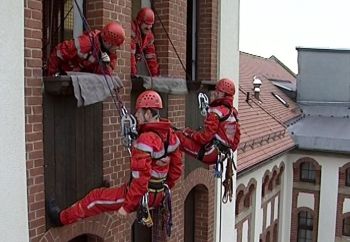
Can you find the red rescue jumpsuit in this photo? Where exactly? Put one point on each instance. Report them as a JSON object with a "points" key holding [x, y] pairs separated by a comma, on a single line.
{"points": [[143, 44], [221, 124], [81, 54], [144, 166]]}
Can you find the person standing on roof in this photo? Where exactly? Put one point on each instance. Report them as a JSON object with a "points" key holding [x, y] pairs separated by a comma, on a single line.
{"points": [[156, 164], [142, 42], [221, 130], [93, 51]]}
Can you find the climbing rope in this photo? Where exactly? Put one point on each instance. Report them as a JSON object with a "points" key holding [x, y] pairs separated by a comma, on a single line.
{"points": [[127, 120]]}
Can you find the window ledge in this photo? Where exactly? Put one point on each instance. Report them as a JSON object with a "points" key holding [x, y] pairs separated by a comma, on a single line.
{"points": [[169, 85], [61, 85]]}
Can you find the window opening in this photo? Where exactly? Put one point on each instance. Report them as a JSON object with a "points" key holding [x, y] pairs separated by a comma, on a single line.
{"points": [[346, 226], [191, 45], [347, 179], [305, 226], [307, 172]]}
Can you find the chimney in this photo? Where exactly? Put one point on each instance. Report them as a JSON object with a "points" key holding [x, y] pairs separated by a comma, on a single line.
{"points": [[247, 97], [256, 87]]}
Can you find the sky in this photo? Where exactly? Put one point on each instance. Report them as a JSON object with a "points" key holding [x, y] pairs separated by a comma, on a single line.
{"points": [[277, 27]]}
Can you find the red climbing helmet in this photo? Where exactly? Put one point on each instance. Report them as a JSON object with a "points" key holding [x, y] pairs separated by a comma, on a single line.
{"points": [[227, 86], [113, 34], [149, 99], [145, 15]]}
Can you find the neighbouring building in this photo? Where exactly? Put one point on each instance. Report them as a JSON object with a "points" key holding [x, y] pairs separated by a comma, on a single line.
{"points": [[320, 182], [265, 110], [293, 185]]}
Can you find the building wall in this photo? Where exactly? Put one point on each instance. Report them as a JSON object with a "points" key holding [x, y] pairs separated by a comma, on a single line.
{"points": [[228, 66], [262, 213], [108, 226], [34, 116], [12, 142], [327, 199], [326, 66], [327, 204]]}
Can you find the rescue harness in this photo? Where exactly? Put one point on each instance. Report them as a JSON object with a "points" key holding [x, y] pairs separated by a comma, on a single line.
{"points": [[224, 152], [157, 185]]}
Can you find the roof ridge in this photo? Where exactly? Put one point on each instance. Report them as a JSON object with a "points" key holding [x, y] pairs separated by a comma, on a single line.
{"points": [[258, 56]]}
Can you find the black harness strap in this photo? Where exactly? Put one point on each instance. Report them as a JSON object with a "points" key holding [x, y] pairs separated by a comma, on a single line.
{"points": [[166, 144]]}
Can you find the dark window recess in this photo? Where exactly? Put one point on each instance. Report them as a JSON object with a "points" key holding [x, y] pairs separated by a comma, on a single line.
{"points": [[190, 217], [195, 201], [58, 22], [72, 136], [247, 200], [72, 148], [238, 201], [86, 238], [135, 8], [346, 226], [268, 236], [307, 172], [191, 40], [275, 233], [305, 226], [347, 179], [194, 119], [264, 186], [140, 233]]}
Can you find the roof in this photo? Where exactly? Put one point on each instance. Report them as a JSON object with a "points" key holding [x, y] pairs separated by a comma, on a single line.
{"points": [[341, 50], [324, 128], [263, 124], [262, 137], [268, 71]]}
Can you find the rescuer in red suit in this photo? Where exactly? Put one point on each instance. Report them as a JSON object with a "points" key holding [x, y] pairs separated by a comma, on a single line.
{"points": [[155, 160], [142, 42], [221, 128], [93, 51]]}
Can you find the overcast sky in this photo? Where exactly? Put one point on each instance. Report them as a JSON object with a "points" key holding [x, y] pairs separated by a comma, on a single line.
{"points": [[276, 27]]}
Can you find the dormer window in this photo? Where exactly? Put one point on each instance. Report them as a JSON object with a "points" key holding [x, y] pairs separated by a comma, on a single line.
{"points": [[279, 98]]}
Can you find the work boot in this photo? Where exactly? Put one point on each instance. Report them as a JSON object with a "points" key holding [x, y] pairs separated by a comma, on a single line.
{"points": [[54, 212]]}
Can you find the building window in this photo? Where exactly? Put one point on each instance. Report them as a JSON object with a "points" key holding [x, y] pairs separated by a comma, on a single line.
{"points": [[191, 44], [307, 172], [61, 22], [264, 186], [268, 236], [305, 226], [347, 179], [247, 200], [346, 226], [238, 201], [275, 232]]}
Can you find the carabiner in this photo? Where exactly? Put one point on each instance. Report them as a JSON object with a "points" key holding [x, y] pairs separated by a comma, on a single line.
{"points": [[203, 103]]}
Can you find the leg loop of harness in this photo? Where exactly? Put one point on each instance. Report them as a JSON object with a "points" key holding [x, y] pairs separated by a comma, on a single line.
{"points": [[228, 182], [143, 214], [219, 166], [166, 211]]}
